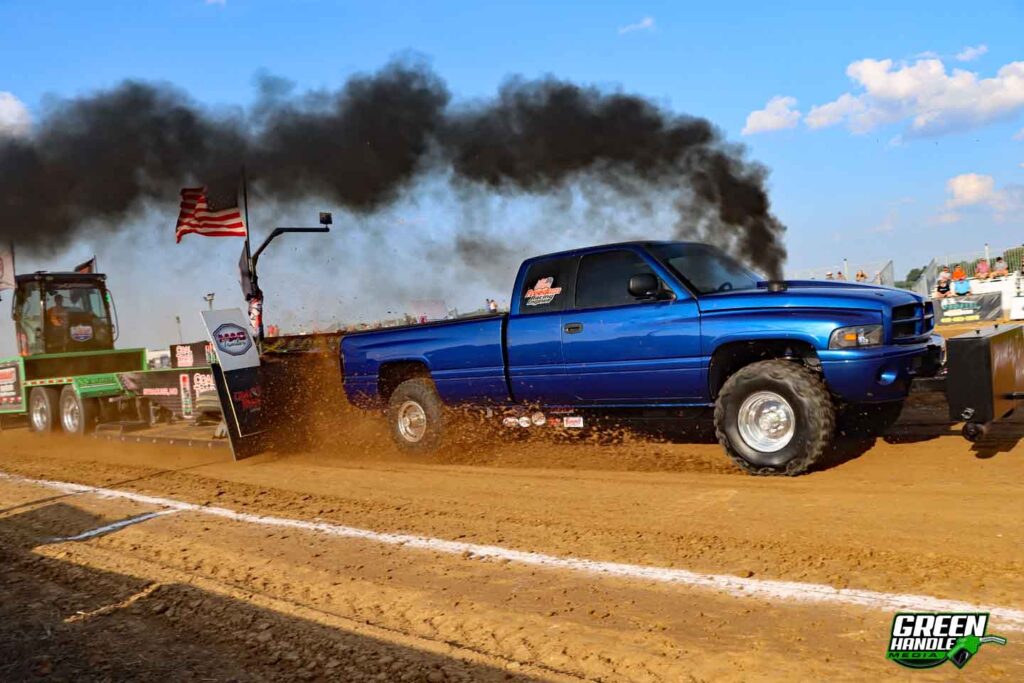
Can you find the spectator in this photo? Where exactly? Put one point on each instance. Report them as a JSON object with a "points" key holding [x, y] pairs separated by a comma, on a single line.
{"points": [[492, 305], [999, 268], [828, 276], [942, 285], [861, 276], [982, 271], [840, 275], [959, 273]]}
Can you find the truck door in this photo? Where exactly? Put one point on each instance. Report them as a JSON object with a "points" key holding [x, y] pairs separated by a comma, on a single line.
{"points": [[623, 349], [534, 335]]}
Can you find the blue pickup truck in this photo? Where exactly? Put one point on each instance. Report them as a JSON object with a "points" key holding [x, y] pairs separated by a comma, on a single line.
{"points": [[640, 326]]}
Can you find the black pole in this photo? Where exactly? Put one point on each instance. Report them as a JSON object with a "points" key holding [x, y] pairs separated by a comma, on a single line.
{"points": [[256, 296]]}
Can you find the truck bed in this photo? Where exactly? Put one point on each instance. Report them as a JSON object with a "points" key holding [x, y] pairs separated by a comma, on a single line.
{"points": [[465, 358]]}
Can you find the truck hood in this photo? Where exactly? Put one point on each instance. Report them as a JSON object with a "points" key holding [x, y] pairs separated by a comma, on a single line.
{"points": [[810, 294]]}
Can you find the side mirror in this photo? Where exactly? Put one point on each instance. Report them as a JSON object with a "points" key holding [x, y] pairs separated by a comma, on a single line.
{"points": [[644, 286]]}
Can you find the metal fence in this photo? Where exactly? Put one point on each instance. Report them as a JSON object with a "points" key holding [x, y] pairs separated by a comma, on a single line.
{"points": [[925, 283], [878, 273], [969, 260]]}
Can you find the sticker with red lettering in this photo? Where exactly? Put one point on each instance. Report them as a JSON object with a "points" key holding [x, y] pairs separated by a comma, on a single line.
{"points": [[543, 292]]}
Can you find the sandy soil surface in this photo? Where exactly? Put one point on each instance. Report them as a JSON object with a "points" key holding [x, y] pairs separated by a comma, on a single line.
{"points": [[194, 596]]}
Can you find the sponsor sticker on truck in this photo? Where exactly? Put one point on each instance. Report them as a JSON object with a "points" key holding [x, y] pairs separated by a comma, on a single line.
{"points": [[81, 333], [544, 292], [10, 386]]}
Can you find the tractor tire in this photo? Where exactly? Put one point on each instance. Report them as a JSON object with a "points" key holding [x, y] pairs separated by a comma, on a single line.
{"points": [[869, 419], [43, 409], [775, 417], [78, 415], [416, 416]]}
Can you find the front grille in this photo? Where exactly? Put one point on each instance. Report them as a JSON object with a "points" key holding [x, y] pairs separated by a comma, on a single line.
{"points": [[912, 320]]}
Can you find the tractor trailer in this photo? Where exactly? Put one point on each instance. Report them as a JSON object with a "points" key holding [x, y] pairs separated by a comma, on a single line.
{"points": [[68, 376]]}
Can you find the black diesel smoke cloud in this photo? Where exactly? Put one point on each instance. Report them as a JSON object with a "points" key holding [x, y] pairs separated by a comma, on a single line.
{"points": [[91, 161]]}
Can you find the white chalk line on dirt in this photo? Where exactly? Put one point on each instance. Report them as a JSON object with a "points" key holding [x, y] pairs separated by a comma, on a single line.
{"points": [[106, 529], [1008, 619]]}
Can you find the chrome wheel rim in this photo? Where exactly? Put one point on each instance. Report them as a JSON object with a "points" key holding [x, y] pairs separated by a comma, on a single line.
{"points": [[40, 414], [70, 415], [412, 421], [766, 422]]}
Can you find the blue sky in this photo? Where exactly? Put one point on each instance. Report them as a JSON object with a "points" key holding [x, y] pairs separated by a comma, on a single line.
{"points": [[891, 188]]}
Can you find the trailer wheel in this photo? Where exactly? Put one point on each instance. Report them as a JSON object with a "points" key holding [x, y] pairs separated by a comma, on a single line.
{"points": [[416, 415], [43, 409], [775, 417], [77, 415]]}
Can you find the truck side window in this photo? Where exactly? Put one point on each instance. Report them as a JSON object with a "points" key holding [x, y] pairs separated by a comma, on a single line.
{"points": [[548, 286], [604, 278]]}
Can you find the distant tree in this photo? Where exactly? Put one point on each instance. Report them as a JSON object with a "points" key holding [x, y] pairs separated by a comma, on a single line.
{"points": [[913, 276]]}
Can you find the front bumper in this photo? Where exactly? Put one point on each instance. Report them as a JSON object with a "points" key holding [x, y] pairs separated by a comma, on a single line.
{"points": [[880, 374]]}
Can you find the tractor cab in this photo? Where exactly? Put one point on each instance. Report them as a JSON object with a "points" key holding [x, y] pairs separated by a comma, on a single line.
{"points": [[62, 313]]}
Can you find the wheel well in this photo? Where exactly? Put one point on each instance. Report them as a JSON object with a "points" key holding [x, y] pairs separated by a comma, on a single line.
{"points": [[729, 358], [390, 375]]}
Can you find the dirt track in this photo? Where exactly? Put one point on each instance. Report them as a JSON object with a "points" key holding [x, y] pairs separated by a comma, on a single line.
{"points": [[193, 595]]}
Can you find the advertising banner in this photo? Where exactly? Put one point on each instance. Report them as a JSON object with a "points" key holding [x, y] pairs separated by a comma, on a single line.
{"points": [[233, 344], [176, 391], [237, 377], [12, 391], [194, 355], [968, 309]]}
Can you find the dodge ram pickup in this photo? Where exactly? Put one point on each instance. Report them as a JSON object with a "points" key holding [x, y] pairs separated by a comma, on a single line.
{"points": [[640, 326]]}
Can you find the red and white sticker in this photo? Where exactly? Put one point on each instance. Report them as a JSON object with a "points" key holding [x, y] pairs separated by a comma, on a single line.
{"points": [[573, 422], [544, 292]]}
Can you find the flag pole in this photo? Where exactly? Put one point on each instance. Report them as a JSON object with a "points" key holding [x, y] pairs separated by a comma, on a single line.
{"points": [[256, 298], [245, 199]]}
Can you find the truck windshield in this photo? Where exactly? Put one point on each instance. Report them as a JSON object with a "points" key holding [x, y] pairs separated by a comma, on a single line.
{"points": [[705, 268]]}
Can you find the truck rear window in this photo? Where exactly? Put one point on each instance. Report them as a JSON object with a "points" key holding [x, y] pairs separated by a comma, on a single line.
{"points": [[548, 286]]}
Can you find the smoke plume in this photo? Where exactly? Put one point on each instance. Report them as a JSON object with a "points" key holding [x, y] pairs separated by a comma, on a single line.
{"points": [[90, 162]]}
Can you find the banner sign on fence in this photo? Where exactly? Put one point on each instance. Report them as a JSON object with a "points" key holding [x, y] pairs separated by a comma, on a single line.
{"points": [[968, 309]]}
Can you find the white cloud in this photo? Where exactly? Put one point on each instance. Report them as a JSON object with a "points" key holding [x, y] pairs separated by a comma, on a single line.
{"points": [[970, 189], [778, 114], [924, 95], [14, 117], [969, 54], [1019, 135], [645, 24], [979, 191], [832, 113]]}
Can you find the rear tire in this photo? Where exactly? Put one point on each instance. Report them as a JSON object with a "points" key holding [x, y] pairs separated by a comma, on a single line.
{"points": [[77, 415], [416, 416], [775, 417], [43, 409]]}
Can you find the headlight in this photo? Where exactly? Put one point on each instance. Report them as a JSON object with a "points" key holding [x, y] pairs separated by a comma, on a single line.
{"points": [[855, 337]]}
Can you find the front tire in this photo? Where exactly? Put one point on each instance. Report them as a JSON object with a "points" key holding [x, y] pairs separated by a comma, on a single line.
{"points": [[43, 409], [775, 417], [416, 416], [77, 415]]}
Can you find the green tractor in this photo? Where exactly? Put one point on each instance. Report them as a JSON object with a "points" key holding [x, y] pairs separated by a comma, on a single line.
{"points": [[67, 365]]}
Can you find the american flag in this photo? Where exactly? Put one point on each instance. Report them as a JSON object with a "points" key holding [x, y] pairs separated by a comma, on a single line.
{"points": [[209, 214]]}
